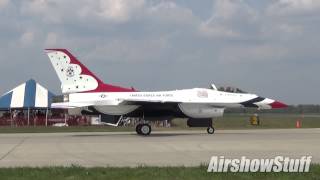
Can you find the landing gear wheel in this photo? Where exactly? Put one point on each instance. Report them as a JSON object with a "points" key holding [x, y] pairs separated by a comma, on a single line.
{"points": [[144, 129], [138, 127], [210, 130]]}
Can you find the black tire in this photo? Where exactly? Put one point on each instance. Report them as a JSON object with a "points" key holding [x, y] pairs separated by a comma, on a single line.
{"points": [[210, 130], [145, 129], [138, 127]]}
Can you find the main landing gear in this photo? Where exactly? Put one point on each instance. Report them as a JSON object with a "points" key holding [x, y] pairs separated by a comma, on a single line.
{"points": [[202, 122], [210, 130], [143, 129]]}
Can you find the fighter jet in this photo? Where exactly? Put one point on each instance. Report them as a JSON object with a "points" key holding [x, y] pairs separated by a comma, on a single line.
{"points": [[86, 94]]}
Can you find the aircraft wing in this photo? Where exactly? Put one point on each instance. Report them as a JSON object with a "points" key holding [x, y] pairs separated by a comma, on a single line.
{"points": [[159, 102], [69, 105]]}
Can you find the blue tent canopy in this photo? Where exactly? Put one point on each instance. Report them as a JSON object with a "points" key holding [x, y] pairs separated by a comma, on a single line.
{"points": [[27, 95]]}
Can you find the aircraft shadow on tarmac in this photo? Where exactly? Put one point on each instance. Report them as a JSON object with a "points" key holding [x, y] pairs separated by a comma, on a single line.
{"points": [[151, 135]]}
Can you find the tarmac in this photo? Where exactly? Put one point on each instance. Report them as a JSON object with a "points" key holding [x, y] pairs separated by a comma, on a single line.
{"points": [[165, 148]]}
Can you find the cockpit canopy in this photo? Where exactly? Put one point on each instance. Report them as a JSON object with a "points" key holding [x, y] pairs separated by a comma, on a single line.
{"points": [[228, 89], [231, 90]]}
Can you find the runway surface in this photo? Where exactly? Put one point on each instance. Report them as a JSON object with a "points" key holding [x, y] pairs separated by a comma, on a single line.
{"points": [[170, 148]]}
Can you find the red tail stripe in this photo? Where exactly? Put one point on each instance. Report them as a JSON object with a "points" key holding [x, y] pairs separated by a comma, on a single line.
{"points": [[101, 86], [74, 60]]}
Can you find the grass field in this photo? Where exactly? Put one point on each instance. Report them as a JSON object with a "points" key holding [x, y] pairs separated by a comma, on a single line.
{"points": [[141, 173], [267, 121], [236, 121], [229, 121]]}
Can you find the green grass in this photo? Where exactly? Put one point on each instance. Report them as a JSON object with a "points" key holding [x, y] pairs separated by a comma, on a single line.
{"points": [[236, 121], [228, 121], [267, 121], [141, 173]]}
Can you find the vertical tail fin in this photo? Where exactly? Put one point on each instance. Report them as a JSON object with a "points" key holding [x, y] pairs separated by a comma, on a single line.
{"points": [[75, 77]]}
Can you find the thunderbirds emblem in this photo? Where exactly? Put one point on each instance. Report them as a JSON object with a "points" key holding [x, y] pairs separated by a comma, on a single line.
{"points": [[70, 71]]}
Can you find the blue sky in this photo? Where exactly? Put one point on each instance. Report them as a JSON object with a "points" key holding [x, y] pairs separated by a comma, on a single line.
{"points": [[268, 47]]}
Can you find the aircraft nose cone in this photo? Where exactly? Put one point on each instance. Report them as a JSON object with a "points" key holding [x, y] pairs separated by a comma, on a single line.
{"points": [[278, 105]]}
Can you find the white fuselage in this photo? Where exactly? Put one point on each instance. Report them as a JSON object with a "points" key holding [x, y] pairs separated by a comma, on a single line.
{"points": [[196, 95], [196, 102]]}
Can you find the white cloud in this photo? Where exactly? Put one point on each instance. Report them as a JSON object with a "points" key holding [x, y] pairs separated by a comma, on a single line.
{"points": [[291, 7], [114, 11], [120, 10], [217, 30], [3, 3], [51, 39], [276, 31], [253, 53], [57, 11], [226, 9], [37, 6], [168, 12], [129, 50], [291, 29], [27, 38], [47, 10], [227, 18]]}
